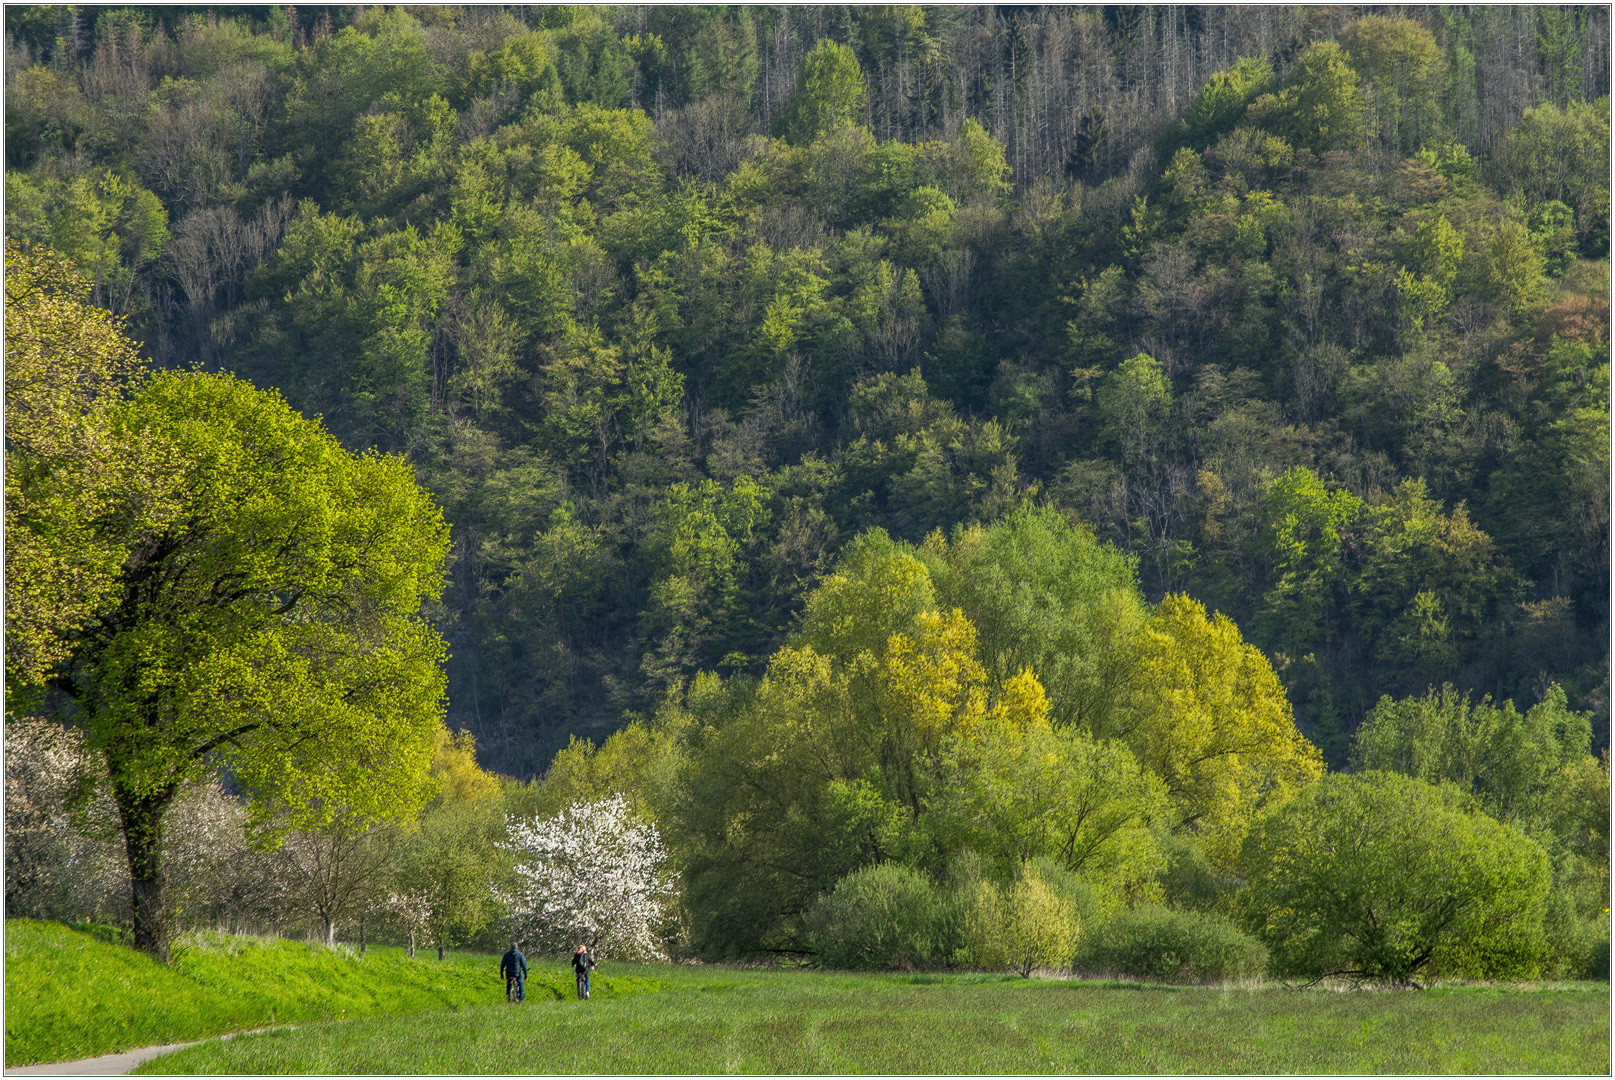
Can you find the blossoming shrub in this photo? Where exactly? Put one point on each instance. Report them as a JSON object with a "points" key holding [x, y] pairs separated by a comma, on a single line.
{"points": [[591, 874]]}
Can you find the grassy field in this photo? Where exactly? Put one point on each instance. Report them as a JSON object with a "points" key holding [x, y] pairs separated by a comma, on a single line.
{"points": [[71, 995], [714, 1020]]}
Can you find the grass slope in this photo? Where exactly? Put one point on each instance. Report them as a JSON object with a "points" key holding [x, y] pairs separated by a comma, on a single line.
{"points": [[71, 995], [720, 1020]]}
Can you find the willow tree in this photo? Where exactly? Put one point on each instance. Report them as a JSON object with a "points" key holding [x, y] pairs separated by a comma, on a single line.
{"points": [[265, 621]]}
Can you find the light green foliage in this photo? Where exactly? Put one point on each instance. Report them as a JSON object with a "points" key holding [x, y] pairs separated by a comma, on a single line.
{"points": [[1162, 945], [109, 226], [65, 362], [1303, 522], [1418, 584], [1563, 154], [520, 63], [1508, 760], [829, 93], [1378, 876], [1133, 400], [1434, 257], [1023, 927], [1221, 103], [443, 869], [1016, 794], [969, 167], [1513, 266], [1045, 595], [1320, 106], [337, 81], [446, 866], [1402, 71], [701, 534], [885, 916], [639, 762], [877, 590]]}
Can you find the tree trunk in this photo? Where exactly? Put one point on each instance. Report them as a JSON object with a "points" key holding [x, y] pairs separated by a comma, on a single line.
{"points": [[361, 937], [330, 934], [143, 842], [412, 944], [440, 953]]}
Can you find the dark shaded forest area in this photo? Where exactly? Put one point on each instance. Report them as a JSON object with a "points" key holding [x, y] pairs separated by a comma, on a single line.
{"points": [[1304, 309]]}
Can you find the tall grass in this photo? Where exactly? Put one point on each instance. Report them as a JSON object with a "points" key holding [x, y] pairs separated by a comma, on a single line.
{"points": [[70, 994], [715, 1020]]}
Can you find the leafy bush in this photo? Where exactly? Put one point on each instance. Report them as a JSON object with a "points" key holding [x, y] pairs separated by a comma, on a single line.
{"points": [[1034, 923], [1378, 876], [884, 916], [1576, 946], [1172, 946]]}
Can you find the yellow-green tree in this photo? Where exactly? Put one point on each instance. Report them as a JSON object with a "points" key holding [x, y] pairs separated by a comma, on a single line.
{"points": [[447, 863], [266, 619], [1017, 789], [1024, 926], [66, 361], [1212, 720], [826, 764]]}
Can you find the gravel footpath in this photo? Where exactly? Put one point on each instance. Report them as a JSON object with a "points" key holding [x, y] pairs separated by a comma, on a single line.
{"points": [[116, 1064]]}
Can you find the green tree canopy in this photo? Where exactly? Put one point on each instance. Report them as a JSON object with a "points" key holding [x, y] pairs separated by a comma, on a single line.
{"points": [[66, 361], [1044, 594], [829, 92], [265, 621], [1320, 106], [1506, 759], [1378, 876]]}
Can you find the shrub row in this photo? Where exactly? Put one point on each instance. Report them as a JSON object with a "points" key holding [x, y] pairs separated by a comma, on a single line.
{"points": [[890, 916]]}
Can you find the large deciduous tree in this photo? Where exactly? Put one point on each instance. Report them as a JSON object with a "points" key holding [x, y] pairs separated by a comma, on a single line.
{"points": [[1213, 722], [265, 620]]}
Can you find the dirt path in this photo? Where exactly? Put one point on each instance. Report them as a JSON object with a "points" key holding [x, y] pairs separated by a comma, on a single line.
{"points": [[117, 1064]]}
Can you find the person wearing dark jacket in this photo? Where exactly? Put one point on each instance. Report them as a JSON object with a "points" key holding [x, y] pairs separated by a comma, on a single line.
{"points": [[582, 964], [513, 966]]}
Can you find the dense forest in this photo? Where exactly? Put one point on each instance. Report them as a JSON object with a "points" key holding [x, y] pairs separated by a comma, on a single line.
{"points": [[1299, 312]]}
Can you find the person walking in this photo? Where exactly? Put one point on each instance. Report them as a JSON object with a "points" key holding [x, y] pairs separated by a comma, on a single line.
{"points": [[582, 964], [513, 966]]}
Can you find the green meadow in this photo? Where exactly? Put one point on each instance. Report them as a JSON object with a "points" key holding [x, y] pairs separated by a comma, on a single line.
{"points": [[72, 994], [724, 1020]]}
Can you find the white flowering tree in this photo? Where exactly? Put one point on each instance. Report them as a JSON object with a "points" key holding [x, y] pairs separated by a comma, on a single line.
{"points": [[591, 874]]}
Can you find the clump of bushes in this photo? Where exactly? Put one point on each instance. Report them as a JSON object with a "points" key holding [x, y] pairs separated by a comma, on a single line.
{"points": [[1163, 945], [891, 916]]}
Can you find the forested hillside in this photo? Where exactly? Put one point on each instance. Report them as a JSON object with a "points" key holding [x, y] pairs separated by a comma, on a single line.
{"points": [[1304, 310]]}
